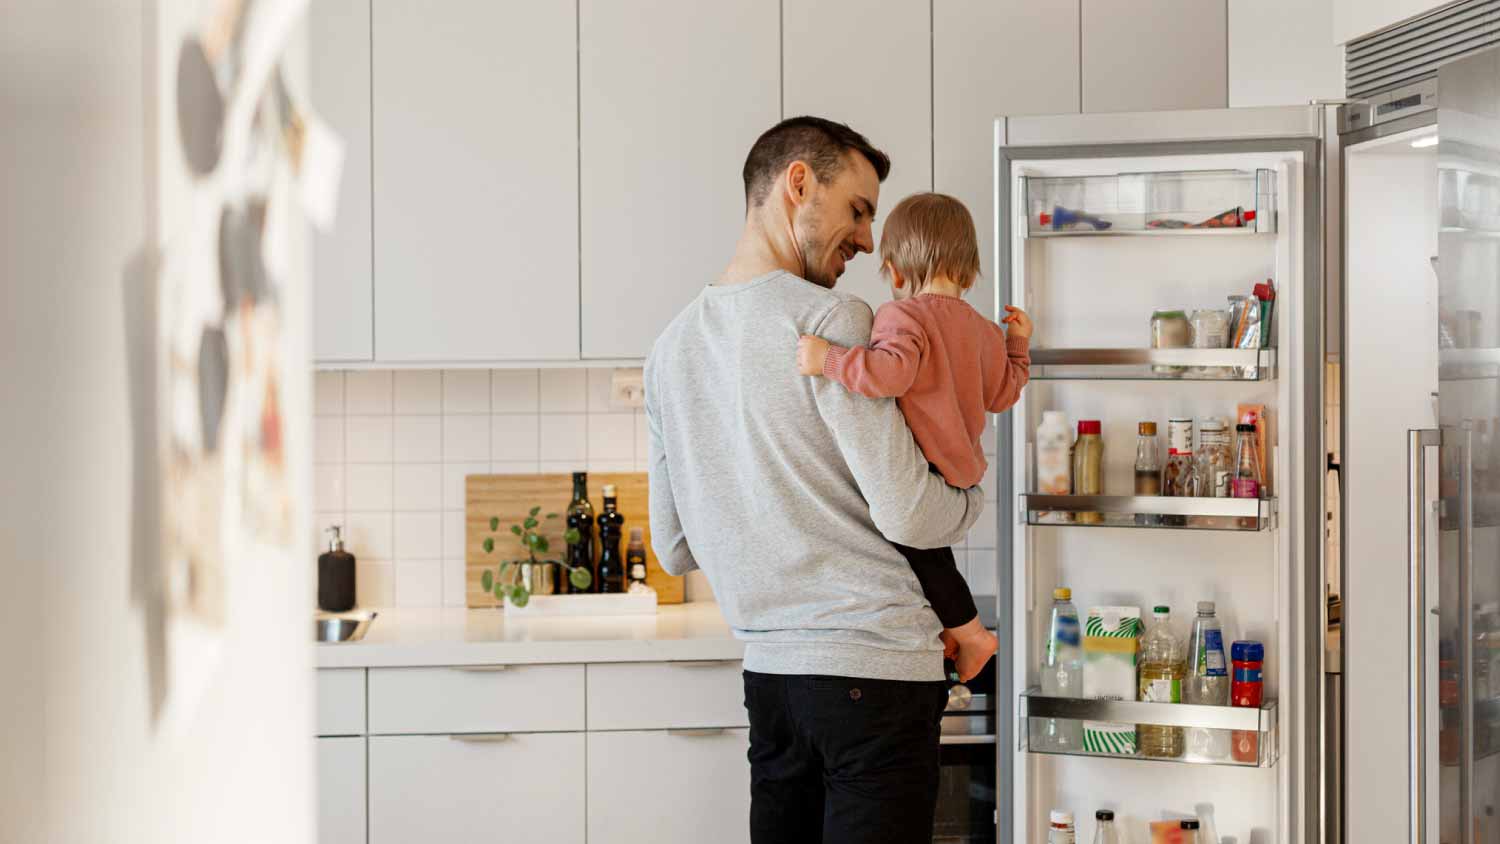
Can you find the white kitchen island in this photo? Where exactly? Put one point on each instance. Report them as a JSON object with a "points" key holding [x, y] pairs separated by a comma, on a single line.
{"points": [[456, 725]]}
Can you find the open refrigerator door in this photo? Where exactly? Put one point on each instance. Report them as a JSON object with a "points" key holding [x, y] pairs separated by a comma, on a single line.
{"points": [[1171, 282]]}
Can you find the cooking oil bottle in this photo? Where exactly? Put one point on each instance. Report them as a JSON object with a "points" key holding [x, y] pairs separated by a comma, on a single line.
{"points": [[1161, 673]]}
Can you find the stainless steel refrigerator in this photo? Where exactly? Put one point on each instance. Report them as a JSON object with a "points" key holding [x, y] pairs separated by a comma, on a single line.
{"points": [[1420, 580]]}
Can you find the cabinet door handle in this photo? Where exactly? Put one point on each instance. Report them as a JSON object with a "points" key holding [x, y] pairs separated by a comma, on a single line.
{"points": [[481, 668], [1418, 441], [480, 738], [704, 663], [697, 733]]}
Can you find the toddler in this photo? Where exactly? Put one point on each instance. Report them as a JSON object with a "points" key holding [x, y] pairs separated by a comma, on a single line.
{"points": [[947, 366]]}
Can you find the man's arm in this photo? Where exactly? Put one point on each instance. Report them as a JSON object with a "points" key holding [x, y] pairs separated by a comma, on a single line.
{"points": [[909, 504], [667, 538]]}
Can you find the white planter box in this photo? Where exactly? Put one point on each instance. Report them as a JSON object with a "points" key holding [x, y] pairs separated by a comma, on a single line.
{"points": [[557, 605]]}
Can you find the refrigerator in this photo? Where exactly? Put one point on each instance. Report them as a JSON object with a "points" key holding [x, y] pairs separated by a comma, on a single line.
{"points": [[1420, 581], [1102, 221]]}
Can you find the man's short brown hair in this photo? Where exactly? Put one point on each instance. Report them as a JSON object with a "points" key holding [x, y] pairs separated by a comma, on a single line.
{"points": [[928, 235], [821, 143]]}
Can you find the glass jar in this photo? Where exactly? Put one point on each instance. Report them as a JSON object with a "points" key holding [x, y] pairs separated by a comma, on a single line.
{"points": [[1170, 329], [1210, 331]]}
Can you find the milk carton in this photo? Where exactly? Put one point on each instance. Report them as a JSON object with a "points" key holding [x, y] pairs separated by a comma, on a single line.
{"points": [[1110, 635]]}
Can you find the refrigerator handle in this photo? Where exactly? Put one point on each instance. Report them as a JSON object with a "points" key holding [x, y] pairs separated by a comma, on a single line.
{"points": [[1466, 630], [1418, 441]]}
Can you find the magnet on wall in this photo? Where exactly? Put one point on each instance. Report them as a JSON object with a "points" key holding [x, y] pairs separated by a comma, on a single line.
{"points": [[200, 109], [213, 382]]}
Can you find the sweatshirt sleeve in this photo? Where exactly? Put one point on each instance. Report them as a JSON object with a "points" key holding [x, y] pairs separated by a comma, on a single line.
{"points": [[667, 537], [887, 367], [909, 504], [1006, 381]]}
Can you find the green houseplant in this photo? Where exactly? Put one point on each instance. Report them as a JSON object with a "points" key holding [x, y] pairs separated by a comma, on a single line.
{"points": [[515, 588]]}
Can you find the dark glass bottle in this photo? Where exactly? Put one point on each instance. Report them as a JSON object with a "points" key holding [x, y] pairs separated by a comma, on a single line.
{"points": [[635, 558], [580, 517], [611, 577]]}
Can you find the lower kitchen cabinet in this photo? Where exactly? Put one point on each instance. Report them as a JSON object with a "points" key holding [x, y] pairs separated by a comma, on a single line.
{"points": [[669, 786], [341, 790], [476, 788]]}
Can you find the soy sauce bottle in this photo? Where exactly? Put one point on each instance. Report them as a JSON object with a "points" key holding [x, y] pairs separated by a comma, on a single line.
{"points": [[581, 519], [611, 564]]}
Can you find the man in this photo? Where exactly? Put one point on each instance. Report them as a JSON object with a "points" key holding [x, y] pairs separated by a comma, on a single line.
{"points": [[788, 493]]}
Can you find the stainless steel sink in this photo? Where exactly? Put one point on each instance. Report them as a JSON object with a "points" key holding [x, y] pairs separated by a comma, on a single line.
{"points": [[349, 628]]}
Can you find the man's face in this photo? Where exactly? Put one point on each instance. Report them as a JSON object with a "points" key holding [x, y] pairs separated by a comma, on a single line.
{"points": [[834, 223]]}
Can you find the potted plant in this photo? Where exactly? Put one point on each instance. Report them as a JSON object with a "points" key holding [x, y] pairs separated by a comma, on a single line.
{"points": [[518, 587]]}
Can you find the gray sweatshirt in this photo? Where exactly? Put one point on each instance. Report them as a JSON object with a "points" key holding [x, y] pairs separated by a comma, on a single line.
{"points": [[787, 491]]}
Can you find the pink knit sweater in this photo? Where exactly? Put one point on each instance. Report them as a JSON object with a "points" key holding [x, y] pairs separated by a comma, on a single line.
{"points": [[946, 365]]}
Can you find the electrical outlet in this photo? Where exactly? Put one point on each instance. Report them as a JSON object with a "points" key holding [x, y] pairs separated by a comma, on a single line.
{"points": [[627, 388]]}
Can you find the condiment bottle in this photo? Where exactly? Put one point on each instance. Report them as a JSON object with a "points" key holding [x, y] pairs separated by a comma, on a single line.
{"points": [[1088, 466], [1246, 689], [1060, 828], [1147, 469]]}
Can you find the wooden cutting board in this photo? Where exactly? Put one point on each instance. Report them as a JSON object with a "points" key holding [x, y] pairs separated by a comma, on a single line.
{"points": [[511, 497]]}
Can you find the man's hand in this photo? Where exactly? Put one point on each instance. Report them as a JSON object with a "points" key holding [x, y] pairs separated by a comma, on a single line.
{"points": [[974, 647], [811, 352], [1019, 322]]}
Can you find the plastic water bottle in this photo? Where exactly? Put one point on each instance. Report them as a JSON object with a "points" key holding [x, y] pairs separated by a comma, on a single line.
{"points": [[1062, 672], [1207, 681]]}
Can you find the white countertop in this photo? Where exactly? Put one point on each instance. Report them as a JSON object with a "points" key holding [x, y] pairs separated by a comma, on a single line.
{"points": [[457, 636]]}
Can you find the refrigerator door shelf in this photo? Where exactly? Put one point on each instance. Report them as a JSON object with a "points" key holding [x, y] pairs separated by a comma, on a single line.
{"points": [[1192, 202], [1148, 511], [1236, 736], [1153, 364]]}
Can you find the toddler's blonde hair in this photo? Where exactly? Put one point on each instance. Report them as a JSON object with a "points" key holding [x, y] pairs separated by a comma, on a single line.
{"points": [[928, 235]]}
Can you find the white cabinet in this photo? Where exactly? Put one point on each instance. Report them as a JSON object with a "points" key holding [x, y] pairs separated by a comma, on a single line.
{"points": [[341, 702], [488, 788], [1153, 55], [673, 787], [339, 76], [674, 92], [985, 62], [628, 696], [341, 790], [477, 699], [867, 64], [475, 181]]}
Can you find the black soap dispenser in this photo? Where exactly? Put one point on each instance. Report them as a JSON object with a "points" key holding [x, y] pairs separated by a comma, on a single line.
{"points": [[335, 576]]}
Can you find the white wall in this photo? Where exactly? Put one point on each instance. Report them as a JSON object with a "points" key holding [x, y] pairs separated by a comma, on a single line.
{"points": [[1283, 52], [1354, 18], [85, 760]]}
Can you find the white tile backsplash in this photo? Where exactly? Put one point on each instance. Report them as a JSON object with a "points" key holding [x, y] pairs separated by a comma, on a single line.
{"points": [[392, 450], [417, 439], [328, 393], [418, 486], [418, 391], [514, 437], [514, 390], [983, 533], [466, 391], [368, 488], [367, 391], [466, 438], [564, 437], [564, 391], [982, 568], [418, 536], [367, 439]]}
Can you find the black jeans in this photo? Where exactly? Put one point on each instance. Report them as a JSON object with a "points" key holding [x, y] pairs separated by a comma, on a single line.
{"points": [[839, 759]]}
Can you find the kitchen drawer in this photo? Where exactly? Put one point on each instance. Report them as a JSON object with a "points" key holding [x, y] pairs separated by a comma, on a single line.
{"points": [[669, 787], [666, 695], [341, 701], [476, 699]]}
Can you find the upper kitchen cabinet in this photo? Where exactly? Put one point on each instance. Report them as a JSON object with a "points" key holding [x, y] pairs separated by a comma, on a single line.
{"points": [[1152, 55], [867, 64], [981, 49], [673, 94], [475, 181], [339, 79]]}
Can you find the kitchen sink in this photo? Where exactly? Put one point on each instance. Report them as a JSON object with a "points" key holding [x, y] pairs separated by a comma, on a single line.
{"points": [[350, 628]]}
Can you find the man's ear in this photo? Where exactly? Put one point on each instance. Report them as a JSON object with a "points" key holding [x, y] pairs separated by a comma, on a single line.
{"points": [[799, 180]]}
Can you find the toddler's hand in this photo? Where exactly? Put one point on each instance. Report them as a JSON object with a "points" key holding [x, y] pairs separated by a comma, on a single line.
{"points": [[811, 351], [1019, 322]]}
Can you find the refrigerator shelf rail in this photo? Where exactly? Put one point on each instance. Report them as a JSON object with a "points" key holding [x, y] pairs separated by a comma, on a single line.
{"points": [[1235, 736], [1153, 364], [1150, 512], [1159, 204]]}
